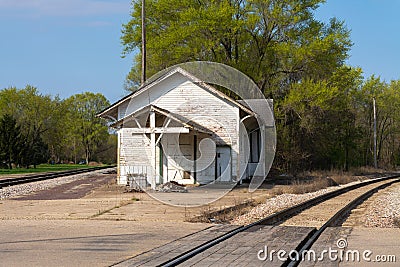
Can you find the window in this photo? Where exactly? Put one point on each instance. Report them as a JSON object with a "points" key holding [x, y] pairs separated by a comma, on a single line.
{"points": [[255, 138]]}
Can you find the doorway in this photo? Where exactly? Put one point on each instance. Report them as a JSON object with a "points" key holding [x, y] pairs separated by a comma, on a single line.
{"points": [[223, 164]]}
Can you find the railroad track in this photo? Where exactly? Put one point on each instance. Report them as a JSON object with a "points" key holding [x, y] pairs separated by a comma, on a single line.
{"points": [[227, 242], [47, 176]]}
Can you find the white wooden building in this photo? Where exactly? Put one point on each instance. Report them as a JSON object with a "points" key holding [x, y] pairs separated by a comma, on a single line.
{"points": [[178, 128]]}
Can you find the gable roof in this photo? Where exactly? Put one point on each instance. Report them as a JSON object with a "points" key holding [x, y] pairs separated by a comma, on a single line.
{"points": [[112, 110]]}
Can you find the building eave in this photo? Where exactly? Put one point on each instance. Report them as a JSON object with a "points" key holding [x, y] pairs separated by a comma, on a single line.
{"points": [[112, 110]]}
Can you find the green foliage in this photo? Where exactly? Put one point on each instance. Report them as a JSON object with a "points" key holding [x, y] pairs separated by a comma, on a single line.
{"points": [[323, 108], [274, 42], [86, 129], [45, 129], [33, 112], [107, 150], [320, 121], [387, 97], [10, 140]]}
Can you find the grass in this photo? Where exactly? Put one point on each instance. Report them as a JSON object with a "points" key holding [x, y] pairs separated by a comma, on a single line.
{"points": [[43, 168], [301, 187], [308, 182]]}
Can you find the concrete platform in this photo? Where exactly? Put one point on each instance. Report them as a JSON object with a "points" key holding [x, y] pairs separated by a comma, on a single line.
{"points": [[82, 242], [353, 243], [382, 242]]}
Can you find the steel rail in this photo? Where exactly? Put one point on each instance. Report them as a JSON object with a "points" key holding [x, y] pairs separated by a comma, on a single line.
{"points": [[46, 176], [309, 241], [271, 219]]}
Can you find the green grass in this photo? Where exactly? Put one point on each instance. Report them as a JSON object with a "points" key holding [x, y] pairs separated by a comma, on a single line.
{"points": [[43, 168]]}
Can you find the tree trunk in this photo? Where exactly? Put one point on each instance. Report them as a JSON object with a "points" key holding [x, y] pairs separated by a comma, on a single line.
{"points": [[87, 154]]}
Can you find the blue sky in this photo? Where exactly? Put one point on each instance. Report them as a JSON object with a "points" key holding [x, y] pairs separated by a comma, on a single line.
{"points": [[375, 32], [65, 47]]}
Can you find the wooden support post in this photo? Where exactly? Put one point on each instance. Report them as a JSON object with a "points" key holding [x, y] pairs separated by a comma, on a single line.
{"points": [[153, 149], [195, 159], [119, 156]]}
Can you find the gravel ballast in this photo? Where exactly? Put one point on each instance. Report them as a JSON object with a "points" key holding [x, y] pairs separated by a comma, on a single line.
{"points": [[280, 202], [276, 204], [383, 212], [25, 189], [385, 209]]}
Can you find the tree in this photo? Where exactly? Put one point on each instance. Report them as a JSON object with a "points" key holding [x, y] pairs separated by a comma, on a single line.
{"points": [[107, 151], [56, 136], [294, 58], [51, 129], [87, 132], [274, 42], [34, 114], [388, 115], [317, 123], [10, 140]]}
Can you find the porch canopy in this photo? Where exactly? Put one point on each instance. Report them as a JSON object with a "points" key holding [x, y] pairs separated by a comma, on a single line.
{"points": [[142, 119], [154, 122]]}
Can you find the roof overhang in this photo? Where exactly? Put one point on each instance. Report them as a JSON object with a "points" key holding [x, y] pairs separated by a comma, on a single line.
{"points": [[112, 110], [152, 108]]}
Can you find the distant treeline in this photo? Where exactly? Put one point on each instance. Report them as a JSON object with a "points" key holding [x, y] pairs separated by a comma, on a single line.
{"points": [[329, 124], [36, 128], [323, 108]]}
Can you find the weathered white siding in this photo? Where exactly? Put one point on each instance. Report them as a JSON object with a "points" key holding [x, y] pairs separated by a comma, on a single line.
{"points": [[152, 94], [134, 156], [179, 95], [200, 106], [206, 152], [178, 159]]}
